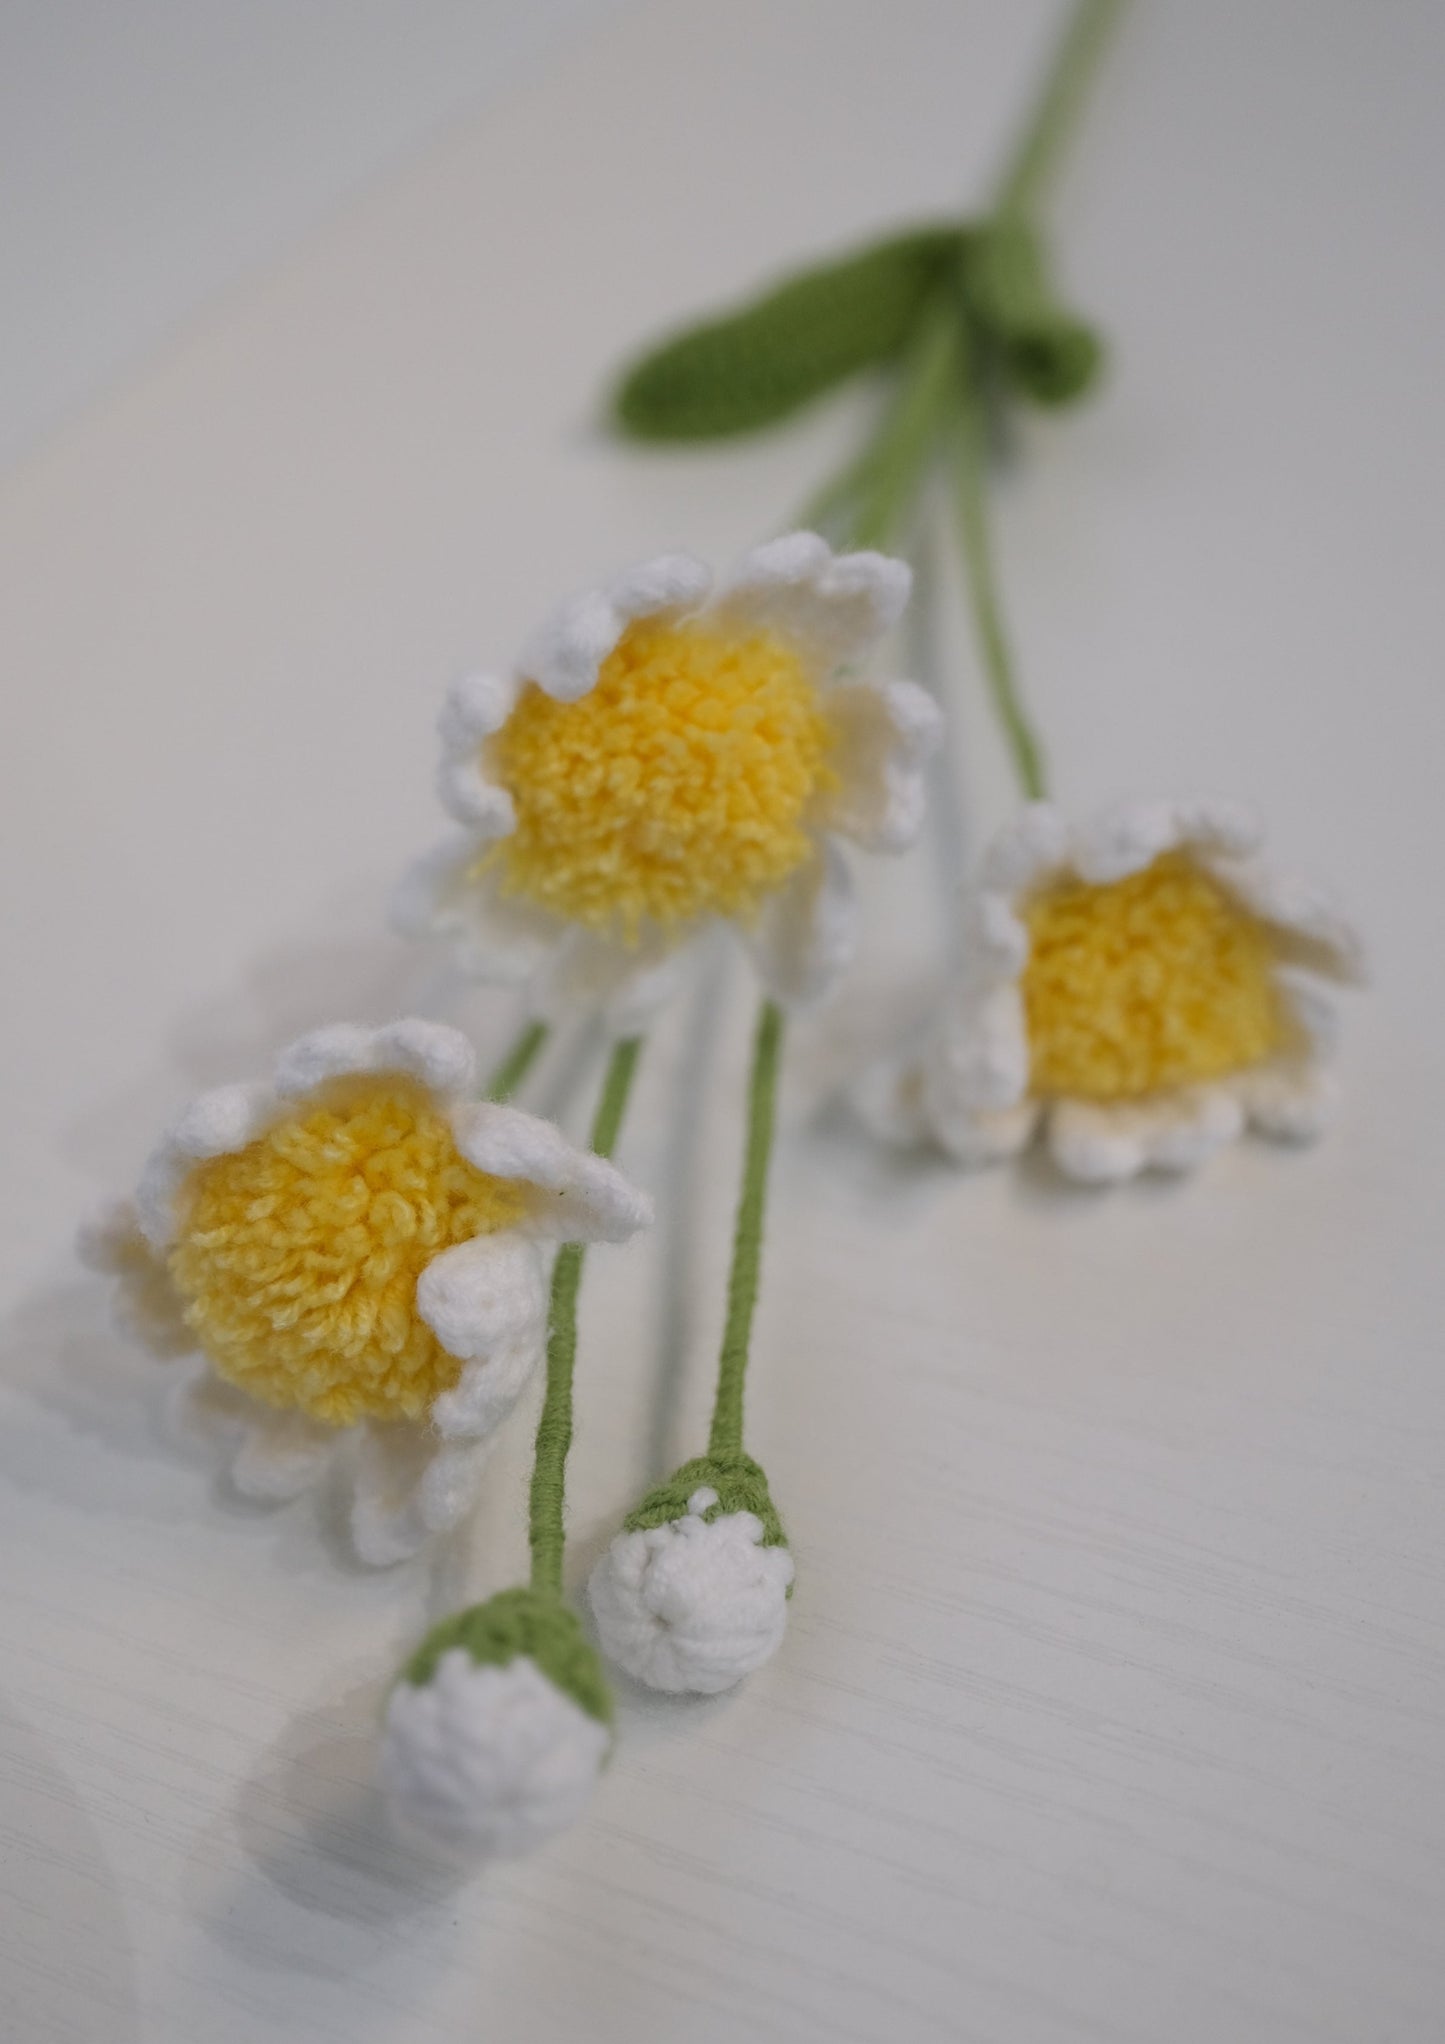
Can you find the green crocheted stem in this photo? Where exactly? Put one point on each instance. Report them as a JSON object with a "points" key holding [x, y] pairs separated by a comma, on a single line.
{"points": [[1047, 353], [726, 1436], [513, 1623], [970, 498], [1035, 156], [739, 1482], [763, 362], [547, 1513], [868, 503], [518, 1061]]}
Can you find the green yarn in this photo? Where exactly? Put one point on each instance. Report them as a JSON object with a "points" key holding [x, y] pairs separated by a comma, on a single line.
{"points": [[868, 503], [739, 1482], [547, 1511], [971, 506], [726, 1436], [1047, 354], [1055, 109], [755, 366], [513, 1623], [517, 1062]]}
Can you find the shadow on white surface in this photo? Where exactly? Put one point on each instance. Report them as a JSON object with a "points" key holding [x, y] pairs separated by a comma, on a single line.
{"points": [[71, 1971], [320, 1857]]}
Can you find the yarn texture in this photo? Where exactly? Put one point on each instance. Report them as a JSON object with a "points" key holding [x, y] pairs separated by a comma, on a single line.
{"points": [[357, 1248], [497, 1729], [755, 367], [666, 756], [501, 1719], [1142, 986], [514, 1622], [710, 750], [692, 1593]]}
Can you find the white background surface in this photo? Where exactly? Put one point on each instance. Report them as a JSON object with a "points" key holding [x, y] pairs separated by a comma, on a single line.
{"points": [[1112, 1704]]}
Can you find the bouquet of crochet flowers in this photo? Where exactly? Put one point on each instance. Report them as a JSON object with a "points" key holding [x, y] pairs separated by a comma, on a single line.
{"points": [[369, 1255]]}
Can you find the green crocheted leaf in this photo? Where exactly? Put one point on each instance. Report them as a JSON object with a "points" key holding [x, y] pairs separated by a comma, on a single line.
{"points": [[1048, 354], [515, 1622], [755, 366], [740, 1484]]}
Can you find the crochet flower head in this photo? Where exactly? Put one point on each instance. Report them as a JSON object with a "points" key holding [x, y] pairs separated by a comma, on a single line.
{"points": [[358, 1246], [663, 759], [693, 1593], [1141, 983], [497, 1730]]}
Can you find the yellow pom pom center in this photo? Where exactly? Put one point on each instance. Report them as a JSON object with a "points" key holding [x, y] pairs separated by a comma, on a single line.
{"points": [[1154, 981], [679, 786], [299, 1255]]}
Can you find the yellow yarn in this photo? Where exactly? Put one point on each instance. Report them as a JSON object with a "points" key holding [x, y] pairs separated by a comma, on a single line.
{"points": [[299, 1255], [677, 787], [1148, 982]]}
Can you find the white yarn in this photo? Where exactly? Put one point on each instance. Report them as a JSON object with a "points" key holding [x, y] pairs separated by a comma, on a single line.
{"points": [[573, 1195], [1100, 1142], [407, 1487], [485, 1300], [805, 935], [884, 733], [146, 1306], [834, 605], [695, 1604], [967, 1084], [831, 608], [484, 1761]]}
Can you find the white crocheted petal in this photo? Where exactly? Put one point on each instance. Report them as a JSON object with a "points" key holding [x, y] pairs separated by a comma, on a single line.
{"points": [[887, 1096], [832, 606], [409, 1486], [1313, 1012], [1128, 836], [484, 1761], [1291, 1099], [666, 584], [975, 1137], [566, 654], [805, 935], [971, 1085], [281, 1454], [433, 1053], [885, 732], [146, 1305], [978, 1060], [587, 973], [215, 1124], [1031, 848], [1100, 1143], [477, 706], [490, 937], [995, 939], [575, 1196], [1310, 928], [486, 1302], [693, 1605]]}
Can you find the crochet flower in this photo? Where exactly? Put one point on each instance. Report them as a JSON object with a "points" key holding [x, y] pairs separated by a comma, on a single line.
{"points": [[664, 759], [497, 1730], [1141, 984], [358, 1246], [693, 1592]]}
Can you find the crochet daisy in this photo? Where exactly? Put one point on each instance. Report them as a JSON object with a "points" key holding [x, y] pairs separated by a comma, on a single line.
{"points": [[665, 758], [358, 1246], [1141, 985]]}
